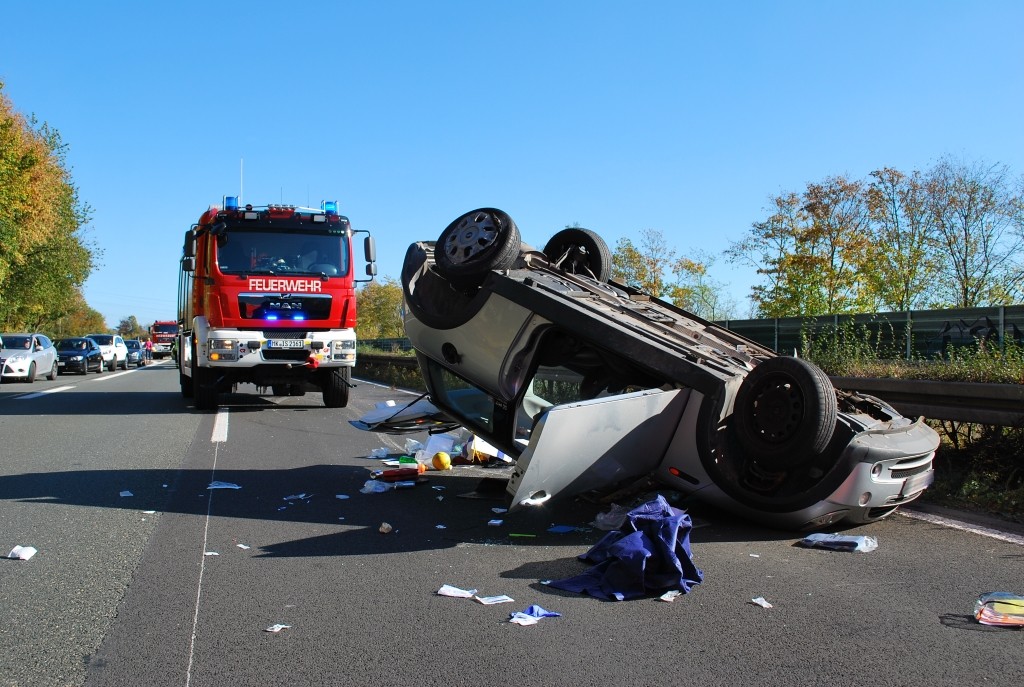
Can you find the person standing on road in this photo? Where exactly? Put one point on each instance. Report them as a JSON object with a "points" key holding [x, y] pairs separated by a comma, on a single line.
{"points": [[149, 349]]}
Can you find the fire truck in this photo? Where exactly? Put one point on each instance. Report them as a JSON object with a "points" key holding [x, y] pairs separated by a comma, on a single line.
{"points": [[162, 333], [266, 296]]}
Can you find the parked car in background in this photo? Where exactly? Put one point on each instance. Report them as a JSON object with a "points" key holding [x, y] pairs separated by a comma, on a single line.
{"points": [[25, 355], [79, 354], [115, 353], [136, 354], [589, 384]]}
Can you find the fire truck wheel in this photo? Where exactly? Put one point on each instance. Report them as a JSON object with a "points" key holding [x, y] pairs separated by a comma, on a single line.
{"points": [[336, 386], [474, 244], [186, 385]]}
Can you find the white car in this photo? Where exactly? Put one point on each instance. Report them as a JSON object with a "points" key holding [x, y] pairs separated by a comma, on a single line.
{"points": [[115, 352], [24, 356]]}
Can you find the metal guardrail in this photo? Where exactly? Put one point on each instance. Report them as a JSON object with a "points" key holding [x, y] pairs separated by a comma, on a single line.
{"points": [[987, 404]]}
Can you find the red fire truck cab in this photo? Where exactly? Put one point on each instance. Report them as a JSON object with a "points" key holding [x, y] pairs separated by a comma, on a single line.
{"points": [[266, 296]]}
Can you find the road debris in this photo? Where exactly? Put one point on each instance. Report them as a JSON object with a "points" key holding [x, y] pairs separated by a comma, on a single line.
{"points": [[385, 528], [839, 542], [491, 600], [223, 485], [22, 553], [1001, 609], [449, 590], [670, 596], [762, 602], [649, 555], [127, 493], [531, 615], [276, 628]]}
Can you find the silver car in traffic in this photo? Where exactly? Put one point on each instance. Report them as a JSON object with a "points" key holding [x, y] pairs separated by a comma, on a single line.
{"points": [[27, 355]]}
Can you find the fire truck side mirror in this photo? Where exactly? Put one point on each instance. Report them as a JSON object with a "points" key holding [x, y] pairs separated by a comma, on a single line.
{"points": [[188, 264], [190, 244], [370, 248], [371, 269]]}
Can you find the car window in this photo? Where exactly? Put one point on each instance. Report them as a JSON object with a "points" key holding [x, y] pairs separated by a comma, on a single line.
{"points": [[102, 340], [16, 342], [44, 341]]}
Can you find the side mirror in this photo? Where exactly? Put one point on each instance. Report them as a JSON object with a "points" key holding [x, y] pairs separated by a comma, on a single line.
{"points": [[188, 264], [370, 249], [371, 270], [190, 244]]}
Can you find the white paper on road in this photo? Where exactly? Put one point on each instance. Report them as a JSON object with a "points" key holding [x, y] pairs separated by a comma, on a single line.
{"points": [[223, 485], [761, 601], [276, 628], [211, 553], [490, 600], [23, 553], [243, 547], [670, 595], [449, 590]]}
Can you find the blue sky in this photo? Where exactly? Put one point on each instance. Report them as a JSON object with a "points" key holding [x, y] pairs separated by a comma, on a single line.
{"points": [[685, 117]]}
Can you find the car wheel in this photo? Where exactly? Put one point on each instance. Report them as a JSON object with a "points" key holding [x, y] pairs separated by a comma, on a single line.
{"points": [[336, 387], [53, 372], [99, 369], [580, 251], [476, 243], [31, 376], [124, 364], [785, 413]]}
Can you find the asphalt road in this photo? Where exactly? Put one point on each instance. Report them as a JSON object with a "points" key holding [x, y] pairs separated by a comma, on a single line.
{"points": [[119, 595]]}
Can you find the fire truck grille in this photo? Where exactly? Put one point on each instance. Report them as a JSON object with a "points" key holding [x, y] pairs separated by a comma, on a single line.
{"points": [[284, 333], [299, 356]]}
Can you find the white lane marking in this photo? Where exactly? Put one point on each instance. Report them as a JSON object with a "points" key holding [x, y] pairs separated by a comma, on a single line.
{"points": [[220, 427], [965, 526], [37, 394], [202, 571], [113, 376]]}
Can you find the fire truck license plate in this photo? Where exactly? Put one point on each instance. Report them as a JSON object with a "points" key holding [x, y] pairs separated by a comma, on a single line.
{"points": [[287, 343]]}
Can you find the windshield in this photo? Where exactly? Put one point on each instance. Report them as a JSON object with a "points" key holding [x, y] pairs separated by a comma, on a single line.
{"points": [[102, 340], [15, 342], [72, 345], [133, 345], [165, 328], [256, 252]]}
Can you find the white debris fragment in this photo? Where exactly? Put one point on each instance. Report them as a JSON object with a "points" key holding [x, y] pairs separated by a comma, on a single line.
{"points": [[761, 601], [243, 547], [440, 527], [670, 595], [223, 485], [385, 528], [148, 512], [127, 493], [499, 511], [22, 553], [276, 628], [496, 522], [341, 496], [491, 600], [449, 590], [211, 553]]}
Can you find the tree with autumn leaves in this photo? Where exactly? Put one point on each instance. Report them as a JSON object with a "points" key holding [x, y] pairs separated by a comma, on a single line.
{"points": [[44, 257], [950, 237]]}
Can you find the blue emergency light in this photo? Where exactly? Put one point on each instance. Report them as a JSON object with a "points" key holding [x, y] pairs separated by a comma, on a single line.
{"points": [[230, 202], [329, 206]]}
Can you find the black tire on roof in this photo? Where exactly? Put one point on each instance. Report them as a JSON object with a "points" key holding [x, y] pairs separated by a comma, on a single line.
{"points": [[474, 244], [580, 251]]}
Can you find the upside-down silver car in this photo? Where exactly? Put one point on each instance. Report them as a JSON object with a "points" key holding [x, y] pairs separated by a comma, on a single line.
{"points": [[590, 384]]}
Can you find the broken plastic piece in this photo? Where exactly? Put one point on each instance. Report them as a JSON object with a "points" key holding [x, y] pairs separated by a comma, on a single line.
{"points": [[378, 453], [495, 522], [127, 493], [385, 528], [761, 601], [670, 595], [839, 542], [449, 590], [1001, 609], [22, 553], [373, 486]]}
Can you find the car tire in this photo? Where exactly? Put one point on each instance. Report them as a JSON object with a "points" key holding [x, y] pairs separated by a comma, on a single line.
{"points": [[124, 364], [580, 251], [336, 387], [474, 244], [204, 392], [102, 366], [31, 376], [53, 372], [785, 413]]}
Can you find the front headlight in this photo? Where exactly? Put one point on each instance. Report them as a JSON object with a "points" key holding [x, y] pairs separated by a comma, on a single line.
{"points": [[18, 358], [223, 349], [76, 358]]}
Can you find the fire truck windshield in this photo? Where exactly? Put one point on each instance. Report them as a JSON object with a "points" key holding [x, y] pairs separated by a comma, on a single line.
{"points": [[165, 329], [269, 252]]}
